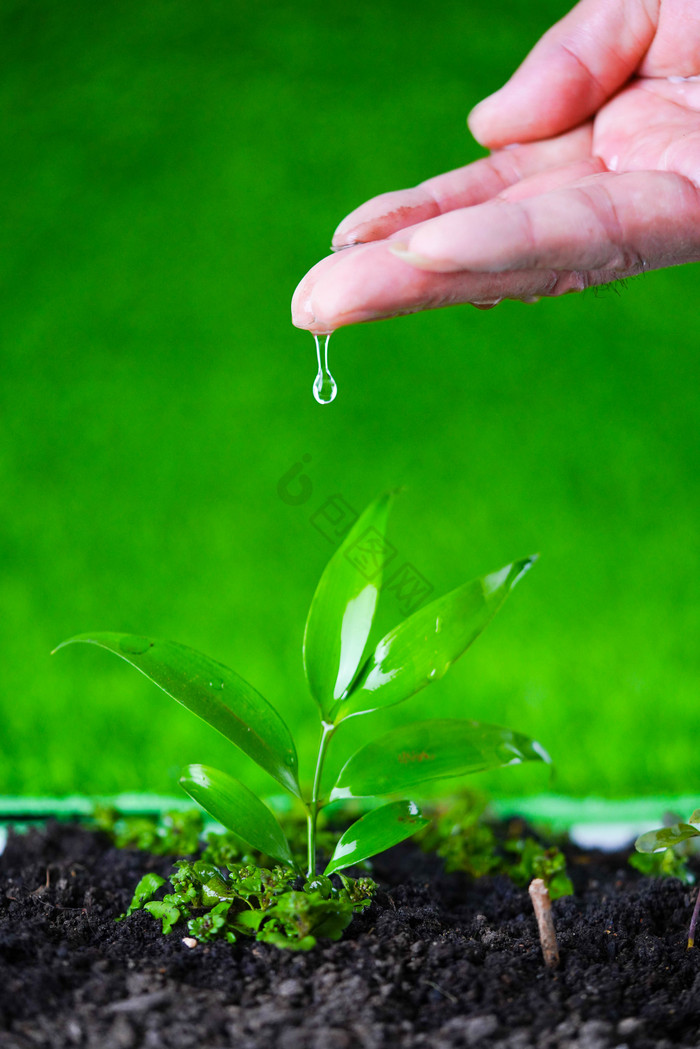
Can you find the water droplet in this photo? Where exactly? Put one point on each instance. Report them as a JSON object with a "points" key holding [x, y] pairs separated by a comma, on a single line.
{"points": [[217, 683], [324, 387], [135, 646]]}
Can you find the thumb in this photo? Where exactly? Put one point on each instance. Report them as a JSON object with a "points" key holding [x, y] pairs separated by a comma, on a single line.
{"points": [[576, 66]]}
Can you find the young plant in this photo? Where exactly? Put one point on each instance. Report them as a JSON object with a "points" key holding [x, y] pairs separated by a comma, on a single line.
{"points": [[538, 862], [172, 834], [250, 901], [655, 841], [348, 678], [463, 836]]}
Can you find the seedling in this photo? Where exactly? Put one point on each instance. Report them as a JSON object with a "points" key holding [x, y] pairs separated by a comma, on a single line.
{"points": [[536, 862], [348, 678], [173, 834], [671, 863], [247, 900], [463, 836], [666, 838]]}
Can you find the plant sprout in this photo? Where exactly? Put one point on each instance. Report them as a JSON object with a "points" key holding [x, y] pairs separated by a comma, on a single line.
{"points": [[665, 838], [348, 678]]}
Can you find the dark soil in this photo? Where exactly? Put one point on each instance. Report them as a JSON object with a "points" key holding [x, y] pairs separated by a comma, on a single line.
{"points": [[435, 962]]}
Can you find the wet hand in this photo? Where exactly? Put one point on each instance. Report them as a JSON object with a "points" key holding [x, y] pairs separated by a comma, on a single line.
{"points": [[604, 183]]}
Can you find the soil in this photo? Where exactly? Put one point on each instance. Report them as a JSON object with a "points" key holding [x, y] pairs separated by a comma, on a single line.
{"points": [[437, 961]]}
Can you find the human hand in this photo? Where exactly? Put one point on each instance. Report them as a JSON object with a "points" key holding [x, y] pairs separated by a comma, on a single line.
{"points": [[604, 184]]}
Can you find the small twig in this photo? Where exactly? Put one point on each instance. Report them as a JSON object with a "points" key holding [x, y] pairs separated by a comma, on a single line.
{"points": [[694, 921], [42, 888], [441, 990], [542, 904]]}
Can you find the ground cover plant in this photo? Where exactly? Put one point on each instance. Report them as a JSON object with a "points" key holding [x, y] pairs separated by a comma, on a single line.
{"points": [[666, 851], [462, 833], [223, 891], [348, 677]]}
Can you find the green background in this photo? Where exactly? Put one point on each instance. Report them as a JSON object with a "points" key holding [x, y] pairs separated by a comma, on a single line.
{"points": [[169, 172]]}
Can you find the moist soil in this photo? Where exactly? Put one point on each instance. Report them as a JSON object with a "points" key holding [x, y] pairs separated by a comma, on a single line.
{"points": [[437, 961]]}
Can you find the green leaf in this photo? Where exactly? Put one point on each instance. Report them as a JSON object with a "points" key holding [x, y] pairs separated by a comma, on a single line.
{"points": [[145, 890], [298, 918], [250, 920], [215, 693], [695, 818], [423, 648], [560, 885], [427, 750], [342, 609], [234, 805], [655, 840], [375, 832], [167, 913]]}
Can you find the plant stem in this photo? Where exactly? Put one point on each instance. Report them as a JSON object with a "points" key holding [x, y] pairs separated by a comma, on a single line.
{"points": [[694, 920], [326, 733]]}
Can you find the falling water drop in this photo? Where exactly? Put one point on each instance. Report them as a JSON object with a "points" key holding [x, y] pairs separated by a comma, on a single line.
{"points": [[324, 387]]}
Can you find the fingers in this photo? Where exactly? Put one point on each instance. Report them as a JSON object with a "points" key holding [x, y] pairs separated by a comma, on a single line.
{"points": [[605, 227], [383, 215], [621, 222], [553, 178], [578, 64], [369, 283]]}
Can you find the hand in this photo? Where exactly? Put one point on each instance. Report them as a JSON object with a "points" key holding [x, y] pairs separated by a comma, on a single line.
{"points": [[604, 184]]}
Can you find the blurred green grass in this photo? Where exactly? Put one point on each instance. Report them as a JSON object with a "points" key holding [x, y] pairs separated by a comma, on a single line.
{"points": [[169, 171]]}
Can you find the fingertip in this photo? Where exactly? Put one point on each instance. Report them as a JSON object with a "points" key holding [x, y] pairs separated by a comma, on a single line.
{"points": [[385, 215], [348, 231], [348, 291], [343, 238], [478, 120], [314, 309], [491, 126], [302, 314]]}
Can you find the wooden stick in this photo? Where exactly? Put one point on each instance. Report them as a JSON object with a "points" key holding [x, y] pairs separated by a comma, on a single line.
{"points": [[539, 894]]}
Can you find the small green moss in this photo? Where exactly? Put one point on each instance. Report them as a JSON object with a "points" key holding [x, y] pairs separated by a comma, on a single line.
{"points": [[245, 900]]}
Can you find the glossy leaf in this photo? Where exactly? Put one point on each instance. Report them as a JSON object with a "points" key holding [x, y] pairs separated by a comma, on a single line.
{"points": [[216, 694], [230, 802], [375, 832], [657, 840], [426, 750], [424, 646], [342, 609]]}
